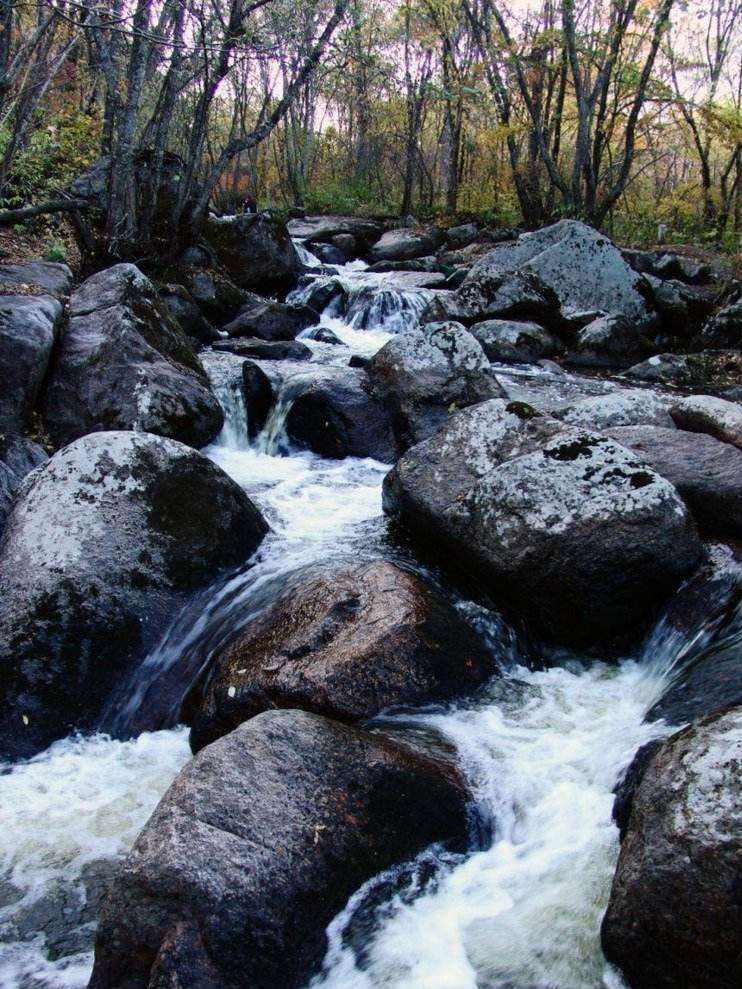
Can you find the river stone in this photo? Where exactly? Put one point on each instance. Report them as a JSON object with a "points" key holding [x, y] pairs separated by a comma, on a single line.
{"points": [[567, 527], [675, 913], [256, 251], [103, 545], [510, 341], [550, 390], [610, 341], [29, 326], [258, 844], [271, 321], [405, 244], [123, 364], [579, 264], [462, 235], [632, 407], [49, 277], [707, 414], [271, 350], [706, 473], [345, 640], [327, 253], [707, 371], [423, 376]]}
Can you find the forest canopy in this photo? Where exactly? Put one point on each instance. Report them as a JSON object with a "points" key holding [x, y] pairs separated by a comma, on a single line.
{"points": [[626, 113]]}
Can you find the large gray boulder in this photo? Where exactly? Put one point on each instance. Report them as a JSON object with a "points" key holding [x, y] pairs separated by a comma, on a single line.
{"points": [[256, 251], [324, 229], [48, 277], [423, 376], [258, 844], [123, 364], [609, 342], [345, 640], [707, 414], [579, 264], [493, 294], [104, 543], [29, 326], [567, 527], [675, 914], [706, 473], [510, 341], [270, 320], [406, 243], [629, 407], [724, 329]]}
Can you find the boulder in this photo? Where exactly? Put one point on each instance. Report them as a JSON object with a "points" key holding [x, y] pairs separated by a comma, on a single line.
{"points": [[256, 251], [716, 371], [104, 543], [323, 334], [345, 640], [490, 294], [258, 390], [706, 472], [706, 414], [724, 329], [510, 341], [8, 486], [682, 307], [550, 390], [182, 309], [579, 264], [123, 364], [318, 293], [424, 264], [218, 298], [21, 454], [271, 321], [324, 228], [327, 253], [334, 412], [258, 844], [423, 376], [675, 913], [631, 407], [346, 244], [462, 235], [29, 327], [568, 528], [269, 350], [664, 264], [47, 277], [610, 341], [405, 244]]}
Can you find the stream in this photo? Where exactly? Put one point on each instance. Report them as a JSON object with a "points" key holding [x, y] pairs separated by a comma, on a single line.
{"points": [[542, 749]]}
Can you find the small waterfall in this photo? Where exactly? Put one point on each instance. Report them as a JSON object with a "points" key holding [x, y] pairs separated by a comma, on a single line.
{"points": [[386, 308], [225, 374], [305, 256]]}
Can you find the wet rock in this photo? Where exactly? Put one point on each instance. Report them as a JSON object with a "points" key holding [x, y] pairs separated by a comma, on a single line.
{"points": [[405, 244], [346, 244], [48, 277], [259, 843], [706, 473], [29, 326], [104, 543], [335, 413], [271, 321], [490, 294], [256, 251], [675, 914], [510, 341], [724, 329], [327, 253], [324, 228], [709, 371], [425, 264], [706, 414], [323, 334], [631, 407], [423, 376], [579, 264], [123, 364], [566, 527], [611, 341], [345, 640], [269, 350], [319, 293], [182, 309], [259, 394]]}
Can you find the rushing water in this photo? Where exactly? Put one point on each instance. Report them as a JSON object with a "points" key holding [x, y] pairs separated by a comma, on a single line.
{"points": [[542, 750]]}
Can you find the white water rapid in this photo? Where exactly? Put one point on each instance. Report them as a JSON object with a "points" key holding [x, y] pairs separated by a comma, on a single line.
{"points": [[543, 751]]}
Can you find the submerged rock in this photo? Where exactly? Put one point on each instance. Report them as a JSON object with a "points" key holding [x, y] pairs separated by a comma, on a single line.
{"points": [[570, 529], [423, 376], [257, 846], [345, 640], [102, 546], [675, 913], [123, 364], [706, 473]]}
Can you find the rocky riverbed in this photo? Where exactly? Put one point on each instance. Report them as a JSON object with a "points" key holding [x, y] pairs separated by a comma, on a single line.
{"points": [[370, 615]]}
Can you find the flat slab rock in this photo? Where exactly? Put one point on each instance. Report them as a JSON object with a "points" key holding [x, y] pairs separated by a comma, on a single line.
{"points": [[675, 914], [345, 640], [258, 844]]}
